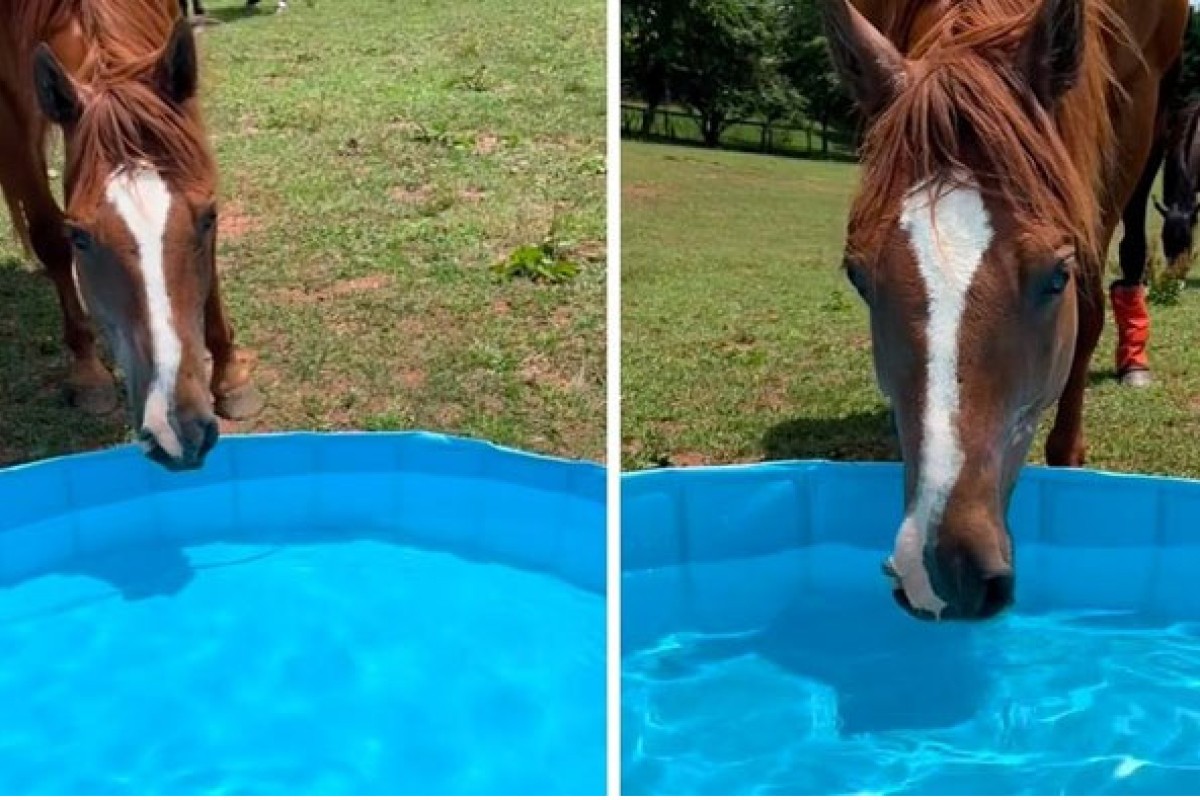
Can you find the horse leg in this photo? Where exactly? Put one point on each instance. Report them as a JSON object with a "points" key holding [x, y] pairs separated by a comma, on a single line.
{"points": [[1065, 447], [1128, 294], [234, 394], [1148, 121], [89, 384]]}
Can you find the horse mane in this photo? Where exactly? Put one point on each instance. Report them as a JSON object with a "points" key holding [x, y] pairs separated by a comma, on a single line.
{"points": [[967, 111], [126, 121]]}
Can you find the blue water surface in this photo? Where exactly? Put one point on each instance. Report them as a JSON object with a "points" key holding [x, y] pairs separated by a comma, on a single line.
{"points": [[839, 692], [341, 666], [763, 653]]}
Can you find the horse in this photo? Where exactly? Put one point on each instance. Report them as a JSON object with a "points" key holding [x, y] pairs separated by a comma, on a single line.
{"points": [[198, 9], [139, 224], [1003, 141], [1181, 182]]}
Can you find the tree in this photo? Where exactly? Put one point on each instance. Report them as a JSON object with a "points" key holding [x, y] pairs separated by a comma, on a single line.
{"points": [[649, 50], [808, 65], [720, 62], [775, 99]]}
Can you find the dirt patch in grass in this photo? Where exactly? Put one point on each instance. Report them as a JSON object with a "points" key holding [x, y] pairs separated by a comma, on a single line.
{"points": [[346, 287], [236, 222], [486, 143], [411, 195], [640, 191]]}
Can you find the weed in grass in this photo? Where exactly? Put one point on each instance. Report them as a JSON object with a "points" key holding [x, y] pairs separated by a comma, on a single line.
{"points": [[537, 262], [1165, 288]]}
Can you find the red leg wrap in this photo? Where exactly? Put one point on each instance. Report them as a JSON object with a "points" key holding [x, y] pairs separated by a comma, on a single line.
{"points": [[1133, 327]]}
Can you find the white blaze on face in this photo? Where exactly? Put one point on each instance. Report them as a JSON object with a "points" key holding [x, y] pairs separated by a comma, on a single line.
{"points": [[949, 232], [143, 202]]}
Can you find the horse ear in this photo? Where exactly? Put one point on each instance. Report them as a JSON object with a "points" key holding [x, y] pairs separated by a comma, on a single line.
{"points": [[869, 64], [179, 68], [56, 93], [1051, 56]]}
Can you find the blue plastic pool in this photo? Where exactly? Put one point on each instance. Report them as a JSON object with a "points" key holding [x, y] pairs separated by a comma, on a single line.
{"points": [[763, 652], [338, 614]]}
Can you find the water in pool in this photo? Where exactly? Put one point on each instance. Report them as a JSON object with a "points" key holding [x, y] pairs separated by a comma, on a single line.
{"points": [[850, 697], [358, 667]]}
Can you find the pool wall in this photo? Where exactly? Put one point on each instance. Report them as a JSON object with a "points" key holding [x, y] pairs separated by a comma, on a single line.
{"points": [[722, 549], [468, 497]]}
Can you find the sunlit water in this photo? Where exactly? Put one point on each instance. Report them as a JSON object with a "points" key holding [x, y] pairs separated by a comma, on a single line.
{"points": [[353, 667], [838, 698]]}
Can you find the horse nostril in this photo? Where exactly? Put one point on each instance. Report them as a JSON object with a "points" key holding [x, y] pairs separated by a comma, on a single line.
{"points": [[997, 594]]}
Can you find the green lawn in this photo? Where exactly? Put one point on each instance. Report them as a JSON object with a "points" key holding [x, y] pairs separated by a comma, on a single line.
{"points": [[742, 340], [377, 157]]}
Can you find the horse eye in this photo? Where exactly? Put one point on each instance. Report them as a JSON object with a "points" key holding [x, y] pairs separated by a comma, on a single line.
{"points": [[208, 220], [1059, 278], [857, 277], [80, 239]]}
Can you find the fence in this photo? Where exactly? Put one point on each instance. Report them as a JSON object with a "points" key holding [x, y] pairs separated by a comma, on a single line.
{"points": [[752, 135]]}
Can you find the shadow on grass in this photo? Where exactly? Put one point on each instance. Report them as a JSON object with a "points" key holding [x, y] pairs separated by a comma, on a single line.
{"points": [[863, 436], [35, 420]]}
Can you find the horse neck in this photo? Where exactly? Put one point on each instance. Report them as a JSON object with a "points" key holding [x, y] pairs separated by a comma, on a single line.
{"points": [[1182, 163]]}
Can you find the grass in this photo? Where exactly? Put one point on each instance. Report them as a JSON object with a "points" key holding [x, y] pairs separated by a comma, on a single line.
{"points": [[742, 341], [377, 160]]}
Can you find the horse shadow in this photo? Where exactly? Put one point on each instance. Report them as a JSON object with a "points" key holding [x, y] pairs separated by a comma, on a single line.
{"points": [[881, 670], [861, 436], [877, 661], [35, 419]]}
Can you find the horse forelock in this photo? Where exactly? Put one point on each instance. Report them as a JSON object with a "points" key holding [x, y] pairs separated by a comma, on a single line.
{"points": [[126, 121], [967, 111]]}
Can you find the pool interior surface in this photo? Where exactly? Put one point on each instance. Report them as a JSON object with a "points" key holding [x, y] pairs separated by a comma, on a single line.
{"points": [[354, 666], [839, 692]]}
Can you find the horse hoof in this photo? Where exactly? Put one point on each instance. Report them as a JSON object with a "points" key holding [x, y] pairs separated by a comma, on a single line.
{"points": [[241, 403], [97, 399], [1137, 378]]}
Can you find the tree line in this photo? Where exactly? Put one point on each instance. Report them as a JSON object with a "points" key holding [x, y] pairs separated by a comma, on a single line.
{"points": [[724, 60], [767, 60]]}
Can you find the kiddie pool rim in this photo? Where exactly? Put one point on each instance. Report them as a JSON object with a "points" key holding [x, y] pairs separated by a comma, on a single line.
{"points": [[468, 496], [678, 515]]}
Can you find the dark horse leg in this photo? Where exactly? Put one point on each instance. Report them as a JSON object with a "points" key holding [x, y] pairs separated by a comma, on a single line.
{"points": [[1128, 294], [197, 8]]}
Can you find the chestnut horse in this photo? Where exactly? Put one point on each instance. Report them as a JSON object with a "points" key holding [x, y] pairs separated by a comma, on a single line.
{"points": [[140, 220], [1005, 140], [1181, 183]]}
